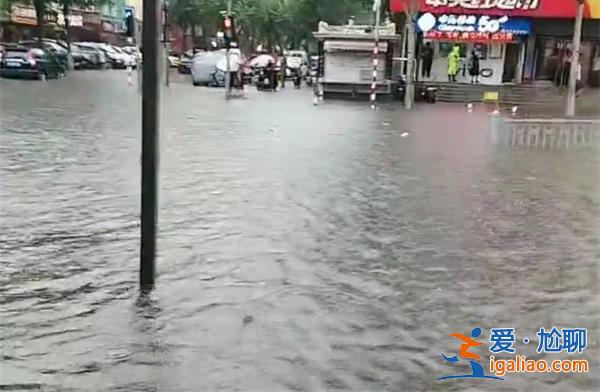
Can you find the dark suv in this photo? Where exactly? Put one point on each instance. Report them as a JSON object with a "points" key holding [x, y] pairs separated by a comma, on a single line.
{"points": [[61, 52], [31, 63]]}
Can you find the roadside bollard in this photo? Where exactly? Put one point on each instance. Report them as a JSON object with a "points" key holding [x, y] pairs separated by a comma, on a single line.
{"points": [[129, 76], [514, 110], [495, 126], [470, 107]]}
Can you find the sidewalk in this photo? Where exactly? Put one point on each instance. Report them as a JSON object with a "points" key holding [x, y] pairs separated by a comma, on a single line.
{"points": [[587, 106]]}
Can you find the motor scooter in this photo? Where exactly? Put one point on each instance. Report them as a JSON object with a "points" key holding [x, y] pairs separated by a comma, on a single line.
{"points": [[422, 93]]}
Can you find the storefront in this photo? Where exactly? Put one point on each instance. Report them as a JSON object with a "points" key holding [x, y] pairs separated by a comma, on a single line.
{"points": [[517, 40], [551, 52], [499, 43]]}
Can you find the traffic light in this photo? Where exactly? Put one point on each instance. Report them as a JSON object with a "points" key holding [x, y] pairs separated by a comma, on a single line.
{"points": [[228, 30], [130, 23]]}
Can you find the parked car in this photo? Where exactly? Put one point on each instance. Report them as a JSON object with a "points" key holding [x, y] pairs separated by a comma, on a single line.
{"points": [[83, 59], [128, 59], [31, 63], [186, 60], [174, 60], [115, 59], [297, 62], [61, 52], [98, 56], [134, 51], [204, 67]]}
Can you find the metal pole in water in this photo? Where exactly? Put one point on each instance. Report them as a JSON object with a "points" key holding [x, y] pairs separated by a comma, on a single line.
{"points": [[377, 11], [150, 132], [227, 60], [573, 73]]}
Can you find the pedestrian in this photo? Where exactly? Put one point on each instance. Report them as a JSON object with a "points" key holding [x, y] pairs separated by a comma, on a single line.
{"points": [[283, 67], [453, 63], [298, 78], [566, 68], [272, 75], [426, 60], [234, 67], [579, 82], [474, 67]]}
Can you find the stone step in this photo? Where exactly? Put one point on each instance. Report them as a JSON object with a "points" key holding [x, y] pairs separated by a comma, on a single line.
{"points": [[520, 94]]}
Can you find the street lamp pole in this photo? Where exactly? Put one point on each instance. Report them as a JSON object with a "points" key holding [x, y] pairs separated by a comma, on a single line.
{"points": [[150, 132], [377, 11], [228, 60]]}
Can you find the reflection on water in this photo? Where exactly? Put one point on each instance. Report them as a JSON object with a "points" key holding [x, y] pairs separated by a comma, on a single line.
{"points": [[301, 248]]}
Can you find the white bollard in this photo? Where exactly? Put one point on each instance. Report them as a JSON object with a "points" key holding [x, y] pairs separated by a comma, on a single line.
{"points": [[129, 76], [470, 107], [514, 110]]}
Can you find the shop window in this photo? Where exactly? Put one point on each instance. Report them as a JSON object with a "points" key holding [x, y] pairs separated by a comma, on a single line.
{"points": [[446, 47], [496, 51], [482, 51]]}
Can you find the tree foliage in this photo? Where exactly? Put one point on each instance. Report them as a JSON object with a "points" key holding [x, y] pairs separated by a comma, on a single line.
{"points": [[286, 23]]}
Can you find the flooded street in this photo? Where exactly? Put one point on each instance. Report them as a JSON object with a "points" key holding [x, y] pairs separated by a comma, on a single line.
{"points": [[301, 248]]}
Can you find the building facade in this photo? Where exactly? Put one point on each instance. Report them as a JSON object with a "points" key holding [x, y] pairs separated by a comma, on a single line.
{"points": [[516, 40], [112, 15], [20, 21]]}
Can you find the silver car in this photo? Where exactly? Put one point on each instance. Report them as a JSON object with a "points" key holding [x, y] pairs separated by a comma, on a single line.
{"points": [[204, 67]]}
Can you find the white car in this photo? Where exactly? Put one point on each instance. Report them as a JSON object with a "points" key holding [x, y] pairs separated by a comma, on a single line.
{"points": [[134, 51], [128, 59], [204, 67], [116, 57]]}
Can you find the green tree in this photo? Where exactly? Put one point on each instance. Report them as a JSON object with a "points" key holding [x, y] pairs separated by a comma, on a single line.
{"points": [[41, 9], [267, 22], [187, 14]]}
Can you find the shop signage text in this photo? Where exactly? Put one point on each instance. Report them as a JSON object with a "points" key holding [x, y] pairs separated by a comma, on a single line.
{"points": [[473, 24], [485, 4], [26, 15], [469, 36], [566, 9]]}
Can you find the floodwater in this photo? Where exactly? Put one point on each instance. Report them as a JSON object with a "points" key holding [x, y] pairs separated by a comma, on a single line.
{"points": [[301, 248]]}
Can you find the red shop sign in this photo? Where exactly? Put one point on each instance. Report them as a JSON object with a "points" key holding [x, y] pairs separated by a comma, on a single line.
{"points": [[470, 36], [522, 8]]}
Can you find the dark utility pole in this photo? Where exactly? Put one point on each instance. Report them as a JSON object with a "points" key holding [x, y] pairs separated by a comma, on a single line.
{"points": [[166, 38], [150, 132]]}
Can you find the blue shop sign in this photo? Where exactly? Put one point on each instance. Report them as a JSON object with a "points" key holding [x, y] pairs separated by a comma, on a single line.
{"points": [[457, 23]]}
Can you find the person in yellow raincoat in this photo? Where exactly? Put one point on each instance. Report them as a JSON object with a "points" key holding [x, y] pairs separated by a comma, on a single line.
{"points": [[453, 63]]}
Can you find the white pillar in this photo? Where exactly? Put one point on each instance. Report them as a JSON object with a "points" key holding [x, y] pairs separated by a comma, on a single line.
{"points": [[520, 63], [575, 60]]}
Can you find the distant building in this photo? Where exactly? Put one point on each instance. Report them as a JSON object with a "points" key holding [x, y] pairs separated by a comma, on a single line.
{"points": [[20, 22], [112, 15]]}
